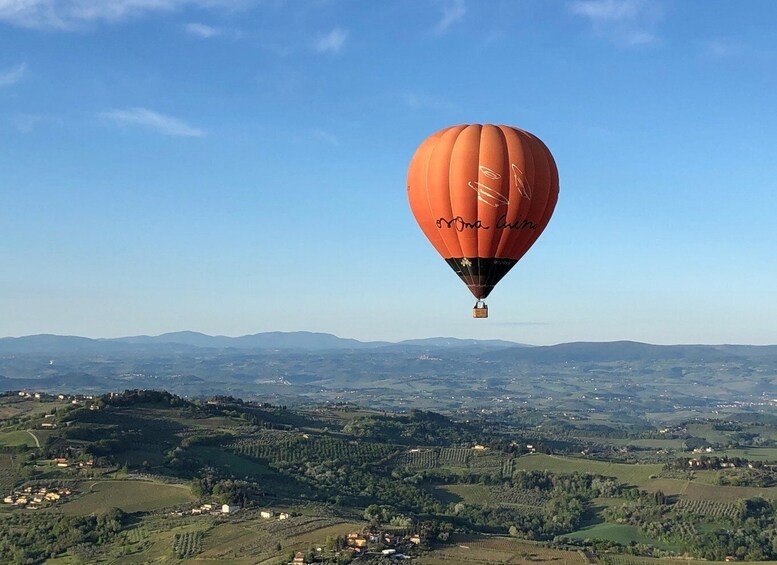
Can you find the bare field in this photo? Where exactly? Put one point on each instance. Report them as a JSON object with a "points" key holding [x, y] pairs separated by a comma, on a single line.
{"points": [[320, 535], [697, 491], [498, 549], [667, 486], [632, 474], [693, 490]]}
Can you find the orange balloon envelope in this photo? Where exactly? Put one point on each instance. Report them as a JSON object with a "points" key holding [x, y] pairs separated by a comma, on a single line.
{"points": [[482, 194]]}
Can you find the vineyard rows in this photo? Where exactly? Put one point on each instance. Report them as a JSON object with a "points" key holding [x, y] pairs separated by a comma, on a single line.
{"points": [[438, 457], [454, 456], [493, 462], [419, 459], [620, 560], [297, 449], [8, 475], [136, 535], [187, 544], [712, 508], [517, 496], [300, 525]]}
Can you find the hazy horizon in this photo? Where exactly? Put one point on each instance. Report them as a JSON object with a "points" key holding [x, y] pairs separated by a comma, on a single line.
{"points": [[357, 338]]}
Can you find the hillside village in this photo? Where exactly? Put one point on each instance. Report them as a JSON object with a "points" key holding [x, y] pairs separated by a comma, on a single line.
{"points": [[33, 498]]}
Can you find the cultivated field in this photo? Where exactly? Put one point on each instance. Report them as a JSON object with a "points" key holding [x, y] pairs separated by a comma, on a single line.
{"points": [[8, 473], [498, 549], [696, 491], [620, 533], [130, 496], [482, 494], [16, 438], [631, 474]]}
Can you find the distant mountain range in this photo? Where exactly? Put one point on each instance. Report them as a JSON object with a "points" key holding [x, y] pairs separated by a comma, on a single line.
{"points": [[286, 341], [433, 373]]}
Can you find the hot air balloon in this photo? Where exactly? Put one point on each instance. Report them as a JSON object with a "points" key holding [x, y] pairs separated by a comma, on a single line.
{"points": [[482, 195]]}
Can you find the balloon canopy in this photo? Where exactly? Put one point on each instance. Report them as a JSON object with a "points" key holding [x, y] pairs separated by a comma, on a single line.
{"points": [[482, 195]]}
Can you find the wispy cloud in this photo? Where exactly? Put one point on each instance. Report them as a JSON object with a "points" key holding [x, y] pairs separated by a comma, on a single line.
{"points": [[423, 101], [318, 136], [166, 125], [607, 10], [332, 42], [325, 136], [452, 12], [626, 22], [13, 75], [202, 31], [721, 48], [25, 123], [28, 123], [69, 14]]}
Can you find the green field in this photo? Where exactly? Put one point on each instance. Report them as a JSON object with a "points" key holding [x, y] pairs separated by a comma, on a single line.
{"points": [[231, 462], [619, 533], [704, 490], [667, 486], [705, 431], [631, 474], [615, 559], [751, 453], [17, 406], [18, 437], [668, 444], [471, 494], [130, 496]]}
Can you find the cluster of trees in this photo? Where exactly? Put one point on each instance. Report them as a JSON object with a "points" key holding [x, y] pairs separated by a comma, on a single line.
{"points": [[712, 463], [738, 470], [419, 427], [578, 484], [141, 396], [33, 538], [748, 545], [749, 533], [756, 477], [226, 491]]}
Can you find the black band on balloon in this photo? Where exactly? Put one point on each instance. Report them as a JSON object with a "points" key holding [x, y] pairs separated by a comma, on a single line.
{"points": [[480, 274]]}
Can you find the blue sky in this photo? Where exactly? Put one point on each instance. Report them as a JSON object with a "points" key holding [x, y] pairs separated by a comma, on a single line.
{"points": [[239, 166]]}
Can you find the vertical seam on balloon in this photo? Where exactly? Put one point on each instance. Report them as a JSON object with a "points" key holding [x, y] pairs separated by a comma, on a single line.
{"points": [[526, 142], [495, 245], [522, 248], [506, 143], [459, 264], [538, 147], [426, 190], [477, 203], [552, 200]]}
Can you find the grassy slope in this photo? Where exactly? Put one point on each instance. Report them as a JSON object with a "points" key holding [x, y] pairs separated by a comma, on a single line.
{"points": [[130, 496], [19, 437]]}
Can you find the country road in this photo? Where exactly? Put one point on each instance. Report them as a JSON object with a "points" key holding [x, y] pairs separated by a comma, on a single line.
{"points": [[37, 443]]}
